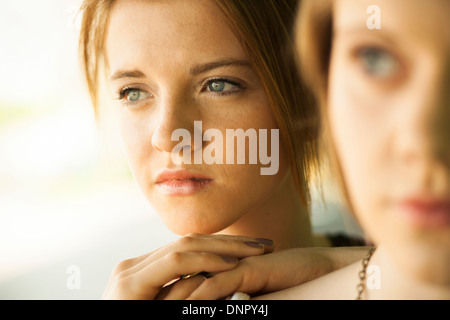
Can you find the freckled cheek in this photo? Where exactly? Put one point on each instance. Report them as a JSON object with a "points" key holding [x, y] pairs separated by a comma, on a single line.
{"points": [[136, 140]]}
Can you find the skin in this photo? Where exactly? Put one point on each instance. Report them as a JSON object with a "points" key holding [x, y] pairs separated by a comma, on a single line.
{"points": [[157, 53], [157, 65], [388, 110], [173, 93], [142, 278], [273, 272]]}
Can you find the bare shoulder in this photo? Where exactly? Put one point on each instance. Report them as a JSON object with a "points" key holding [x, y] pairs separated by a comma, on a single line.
{"points": [[338, 285]]}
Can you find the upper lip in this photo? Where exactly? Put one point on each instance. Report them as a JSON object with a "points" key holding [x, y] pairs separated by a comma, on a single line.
{"points": [[180, 174], [428, 203]]}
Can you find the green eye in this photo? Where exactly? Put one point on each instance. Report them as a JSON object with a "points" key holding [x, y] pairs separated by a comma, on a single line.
{"points": [[379, 63], [217, 86], [222, 86], [133, 95]]}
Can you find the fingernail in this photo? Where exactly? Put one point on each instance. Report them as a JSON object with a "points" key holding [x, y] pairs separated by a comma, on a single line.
{"points": [[230, 259], [254, 244], [266, 242]]}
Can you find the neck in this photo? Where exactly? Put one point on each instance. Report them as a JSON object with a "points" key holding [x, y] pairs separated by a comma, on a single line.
{"points": [[282, 218], [398, 284]]}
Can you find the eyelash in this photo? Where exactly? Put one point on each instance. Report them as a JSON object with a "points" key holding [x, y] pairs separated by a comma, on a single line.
{"points": [[207, 83], [121, 93]]}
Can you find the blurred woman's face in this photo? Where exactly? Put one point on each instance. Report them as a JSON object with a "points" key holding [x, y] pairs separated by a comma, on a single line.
{"points": [[177, 65], [389, 111]]}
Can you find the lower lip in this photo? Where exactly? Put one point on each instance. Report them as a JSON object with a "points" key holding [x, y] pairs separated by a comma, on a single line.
{"points": [[427, 215], [183, 187]]}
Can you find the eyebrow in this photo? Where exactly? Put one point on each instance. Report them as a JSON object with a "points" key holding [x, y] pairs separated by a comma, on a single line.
{"points": [[196, 70], [202, 68], [127, 74]]}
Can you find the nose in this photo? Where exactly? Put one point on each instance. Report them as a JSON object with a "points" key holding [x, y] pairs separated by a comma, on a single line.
{"points": [[174, 112]]}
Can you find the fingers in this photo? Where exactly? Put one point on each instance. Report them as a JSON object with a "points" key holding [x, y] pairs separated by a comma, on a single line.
{"points": [[267, 243], [226, 246], [145, 276], [178, 263], [148, 281], [266, 273], [181, 289], [250, 276], [218, 287], [223, 245]]}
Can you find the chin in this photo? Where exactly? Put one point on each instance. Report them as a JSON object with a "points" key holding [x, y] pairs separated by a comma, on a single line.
{"points": [[428, 262], [193, 226], [182, 221]]}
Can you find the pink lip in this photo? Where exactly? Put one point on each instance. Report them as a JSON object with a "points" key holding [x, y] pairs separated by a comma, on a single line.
{"points": [[426, 211], [181, 182]]}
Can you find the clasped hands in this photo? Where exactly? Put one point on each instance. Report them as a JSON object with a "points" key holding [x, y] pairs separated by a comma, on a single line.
{"points": [[211, 267]]}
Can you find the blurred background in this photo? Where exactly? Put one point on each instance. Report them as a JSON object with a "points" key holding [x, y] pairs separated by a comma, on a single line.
{"points": [[68, 204]]}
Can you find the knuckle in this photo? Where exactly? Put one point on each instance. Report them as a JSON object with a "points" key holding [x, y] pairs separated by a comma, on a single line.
{"points": [[122, 284], [204, 257], [193, 235], [123, 266], [185, 241], [174, 258], [128, 287]]}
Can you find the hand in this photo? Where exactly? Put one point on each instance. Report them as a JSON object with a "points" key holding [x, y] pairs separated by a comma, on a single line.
{"points": [[276, 271], [144, 277]]}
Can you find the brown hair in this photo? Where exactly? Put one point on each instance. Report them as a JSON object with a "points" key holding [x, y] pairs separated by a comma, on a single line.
{"points": [[314, 40], [265, 29]]}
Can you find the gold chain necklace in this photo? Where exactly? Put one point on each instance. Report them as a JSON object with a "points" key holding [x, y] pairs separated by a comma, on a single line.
{"points": [[362, 274]]}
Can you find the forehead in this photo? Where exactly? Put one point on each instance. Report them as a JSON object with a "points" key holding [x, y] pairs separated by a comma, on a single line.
{"points": [[414, 18], [178, 30]]}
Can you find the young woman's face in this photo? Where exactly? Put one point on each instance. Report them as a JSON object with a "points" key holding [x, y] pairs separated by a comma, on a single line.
{"points": [[173, 63], [389, 111]]}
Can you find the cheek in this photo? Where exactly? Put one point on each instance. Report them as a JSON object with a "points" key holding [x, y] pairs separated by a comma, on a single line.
{"points": [[259, 179], [358, 150], [348, 135], [136, 139], [250, 122]]}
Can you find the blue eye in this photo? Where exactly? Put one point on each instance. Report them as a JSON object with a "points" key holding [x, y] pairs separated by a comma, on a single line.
{"points": [[222, 86], [132, 95], [216, 86], [379, 63]]}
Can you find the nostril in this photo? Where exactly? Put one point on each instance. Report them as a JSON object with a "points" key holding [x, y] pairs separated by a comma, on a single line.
{"points": [[179, 148]]}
